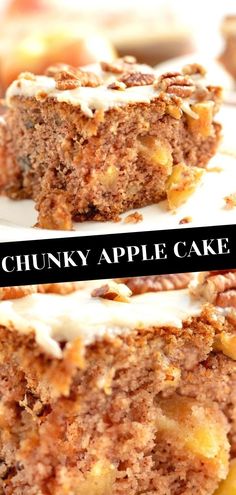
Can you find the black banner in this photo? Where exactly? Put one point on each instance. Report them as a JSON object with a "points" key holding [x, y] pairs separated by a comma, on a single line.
{"points": [[117, 255]]}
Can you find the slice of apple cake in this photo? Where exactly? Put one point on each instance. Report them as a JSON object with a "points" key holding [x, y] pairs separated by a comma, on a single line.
{"points": [[108, 393]]}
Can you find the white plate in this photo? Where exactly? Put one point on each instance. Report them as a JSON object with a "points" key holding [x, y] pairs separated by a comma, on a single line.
{"points": [[206, 206]]}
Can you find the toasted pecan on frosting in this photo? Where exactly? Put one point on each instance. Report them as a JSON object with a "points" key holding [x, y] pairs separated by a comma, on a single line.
{"points": [[157, 283], [113, 291], [218, 287], [16, 292]]}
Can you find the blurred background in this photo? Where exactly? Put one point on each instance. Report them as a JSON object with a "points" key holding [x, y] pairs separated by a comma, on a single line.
{"points": [[38, 33]]}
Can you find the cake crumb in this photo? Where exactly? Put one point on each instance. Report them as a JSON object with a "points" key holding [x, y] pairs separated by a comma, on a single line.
{"points": [[134, 218], [230, 201], [185, 220]]}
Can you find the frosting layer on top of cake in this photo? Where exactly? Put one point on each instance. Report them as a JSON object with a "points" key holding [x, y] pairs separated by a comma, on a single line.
{"points": [[55, 318], [141, 85]]}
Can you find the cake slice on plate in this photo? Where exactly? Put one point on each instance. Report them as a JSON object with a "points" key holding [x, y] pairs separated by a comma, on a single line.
{"points": [[107, 393], [92, 143]]}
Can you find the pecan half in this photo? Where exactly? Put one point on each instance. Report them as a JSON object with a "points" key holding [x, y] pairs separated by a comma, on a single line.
{"points": [[52, 70], [113, 291], [194, 69], [120, 65], [67, 84], [176, 84], [137, 79], [157, 283], [214, 286], [182, 91], [226, 299], [16, 292], [71, 79]]}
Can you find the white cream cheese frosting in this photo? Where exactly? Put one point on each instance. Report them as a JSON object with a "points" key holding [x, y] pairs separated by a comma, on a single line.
{"points": [[89, 99], [54, 318]]}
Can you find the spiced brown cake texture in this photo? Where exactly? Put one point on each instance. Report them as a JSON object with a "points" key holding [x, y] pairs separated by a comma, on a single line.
{"points": [[108, 393], [92, 143]]}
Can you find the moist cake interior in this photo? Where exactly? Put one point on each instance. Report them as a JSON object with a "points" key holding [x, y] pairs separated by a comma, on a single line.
{"points": [[108, 393], [93, 143]]}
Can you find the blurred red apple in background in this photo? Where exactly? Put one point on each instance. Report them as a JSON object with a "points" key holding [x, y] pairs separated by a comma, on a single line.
{"points": [[33, 36], [14, 7]]}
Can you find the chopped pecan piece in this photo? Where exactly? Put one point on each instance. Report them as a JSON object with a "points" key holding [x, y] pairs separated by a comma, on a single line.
{"points": [[113, 67], [113, 291], [16, 292], [173, 104], [60, 288], [230, 201], [185, 220], [52, 70], [134, 218], [193, 69], [120, 65], [120, 86], [88, 79], [66, 74], [137, 79], [157, 283]]}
